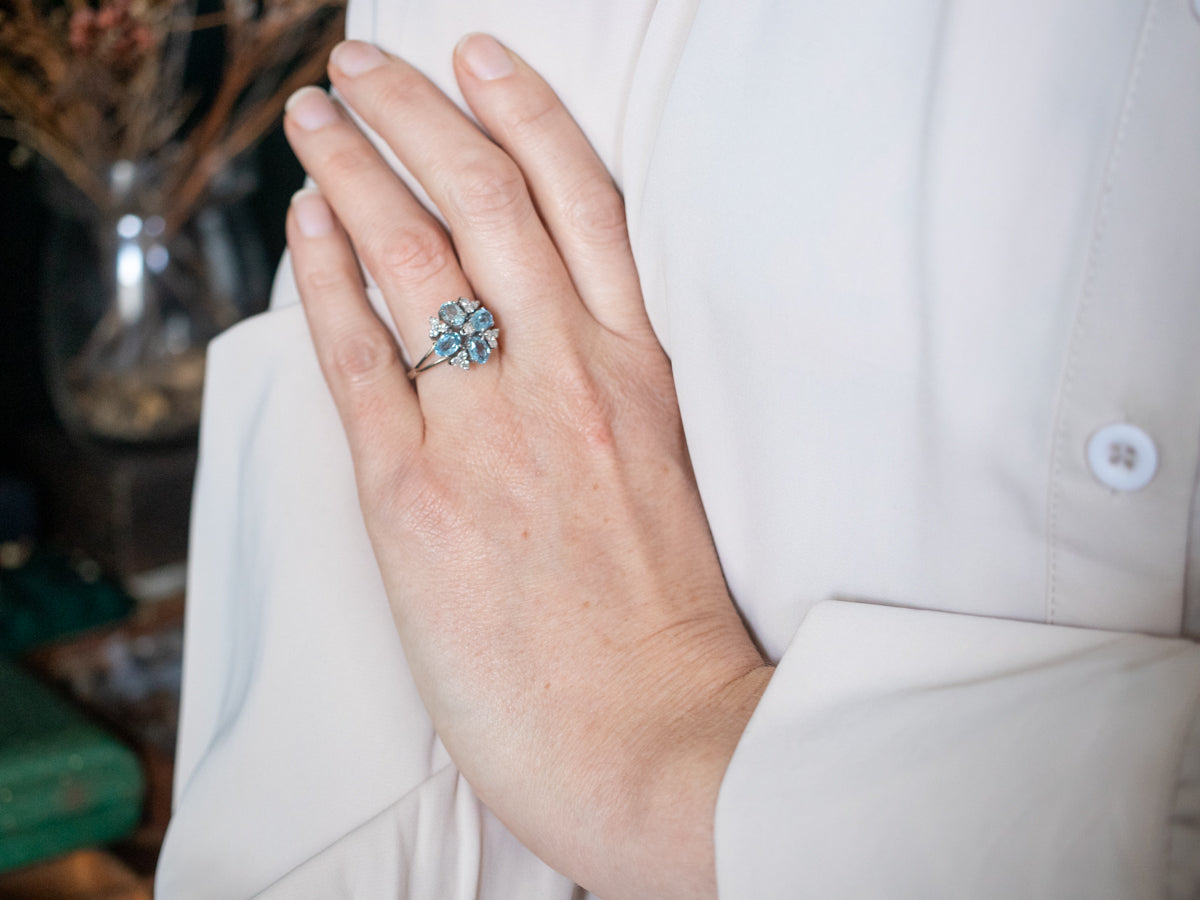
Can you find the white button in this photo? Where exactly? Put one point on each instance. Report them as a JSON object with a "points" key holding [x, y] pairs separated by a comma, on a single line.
{"points": [[1122, 456]]}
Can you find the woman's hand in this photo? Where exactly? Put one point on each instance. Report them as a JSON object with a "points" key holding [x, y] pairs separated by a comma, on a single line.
{"points": [[536, 521]]}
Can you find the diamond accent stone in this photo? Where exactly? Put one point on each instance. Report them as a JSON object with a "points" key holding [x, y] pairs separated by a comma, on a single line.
{"points": [[492, 337], [448, 344], [436, 327], [462, 361], [468, 305], [452, 314]]}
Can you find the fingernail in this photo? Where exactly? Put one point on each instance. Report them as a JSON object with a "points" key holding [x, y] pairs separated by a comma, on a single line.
{"points": [[312, 213], [484, 57], [356, 57], [311, 108]]}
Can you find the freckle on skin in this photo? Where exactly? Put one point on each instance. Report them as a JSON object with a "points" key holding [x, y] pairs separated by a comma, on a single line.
{"points": [[596, 486], [546, 686], [587, 603], [525, 534]]}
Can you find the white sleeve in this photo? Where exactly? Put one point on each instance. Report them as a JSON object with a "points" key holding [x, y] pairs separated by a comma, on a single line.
{"points": [[435, 843], [903, 753]]}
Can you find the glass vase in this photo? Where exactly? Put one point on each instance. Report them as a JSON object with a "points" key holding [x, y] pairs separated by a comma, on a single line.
{"points": [[131, 299]]}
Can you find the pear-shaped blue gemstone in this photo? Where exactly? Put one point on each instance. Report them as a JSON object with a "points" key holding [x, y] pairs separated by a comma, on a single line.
{"points": [[478, 349], [448, 344], [481, 320]]}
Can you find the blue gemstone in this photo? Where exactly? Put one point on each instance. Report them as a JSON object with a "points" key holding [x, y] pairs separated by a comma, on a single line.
{"points": [[479, 349], [452, 314], [482, 320], [448, 344]]}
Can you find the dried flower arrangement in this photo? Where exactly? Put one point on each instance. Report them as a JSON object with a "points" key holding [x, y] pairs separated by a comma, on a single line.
{"points": [[144, 106], [90, 83]]}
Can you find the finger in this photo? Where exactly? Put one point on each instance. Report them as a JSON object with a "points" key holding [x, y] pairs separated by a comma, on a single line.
{"points": [[358, 357], [574, 193], [401, 245], [502, 245]]}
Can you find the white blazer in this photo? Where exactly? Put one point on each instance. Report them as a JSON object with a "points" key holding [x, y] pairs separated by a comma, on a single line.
{"points": [[929, 275]]}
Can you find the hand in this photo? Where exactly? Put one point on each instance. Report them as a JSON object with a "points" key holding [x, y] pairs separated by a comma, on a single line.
{"points": [[536, 520]]}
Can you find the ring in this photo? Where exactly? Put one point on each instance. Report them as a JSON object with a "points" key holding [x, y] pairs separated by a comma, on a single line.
{"points": [[463, 332]]}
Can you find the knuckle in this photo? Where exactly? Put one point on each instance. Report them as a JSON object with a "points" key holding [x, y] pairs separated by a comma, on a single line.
{"points": [[346, 162], [421, 506], [320, 282], [490, 192], [362, 356], [395, 97], [407, 255], [585, 407], [597, 213], [530, 121]]}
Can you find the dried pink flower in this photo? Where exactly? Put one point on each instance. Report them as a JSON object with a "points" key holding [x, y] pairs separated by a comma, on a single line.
{"points": [[91, 82], [112, 35]]}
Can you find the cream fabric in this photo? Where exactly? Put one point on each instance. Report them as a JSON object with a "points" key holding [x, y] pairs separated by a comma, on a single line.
{"points": [[907, 258], [915, 754]]}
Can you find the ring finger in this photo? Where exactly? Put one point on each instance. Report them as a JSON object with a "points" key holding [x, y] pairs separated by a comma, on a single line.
{"points": [[502, 243]]}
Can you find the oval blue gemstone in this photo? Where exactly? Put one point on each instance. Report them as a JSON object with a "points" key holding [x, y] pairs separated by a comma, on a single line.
{"points": [[482, 320], [452, 314], [478, 348], [448, 344]]}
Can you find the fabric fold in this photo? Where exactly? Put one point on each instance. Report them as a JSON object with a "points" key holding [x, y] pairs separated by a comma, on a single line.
{"points": [[925, 754]]}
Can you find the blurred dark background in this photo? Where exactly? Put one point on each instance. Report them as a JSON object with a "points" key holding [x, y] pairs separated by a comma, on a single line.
{"points": [[23, 221], [88, 670]]}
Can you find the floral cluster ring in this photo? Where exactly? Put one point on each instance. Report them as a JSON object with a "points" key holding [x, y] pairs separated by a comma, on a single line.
{"points": [[463, 332]]}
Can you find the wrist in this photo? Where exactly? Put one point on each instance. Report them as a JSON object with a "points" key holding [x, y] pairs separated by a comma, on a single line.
{"points": [[661, 826]]}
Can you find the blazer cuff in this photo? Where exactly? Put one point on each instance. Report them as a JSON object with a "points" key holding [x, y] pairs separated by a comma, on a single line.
{"points": [[910, 753]]}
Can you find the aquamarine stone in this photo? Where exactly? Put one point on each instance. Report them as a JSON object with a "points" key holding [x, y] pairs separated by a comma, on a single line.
{"points": [[452, 314], [478, 348], [482, 320], [448, 344]]}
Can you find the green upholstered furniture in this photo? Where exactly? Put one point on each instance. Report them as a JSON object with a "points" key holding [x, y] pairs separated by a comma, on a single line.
{"points": [[64, 781]]}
